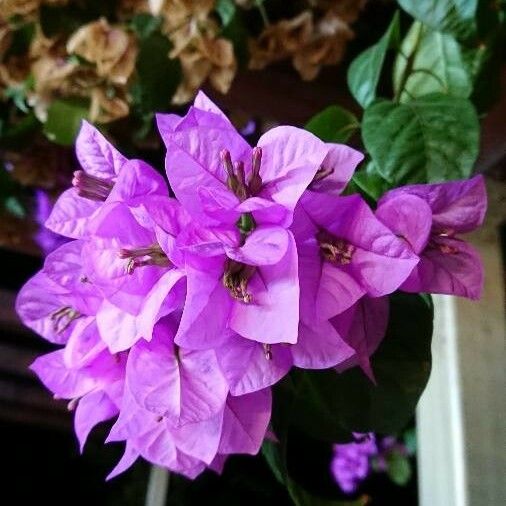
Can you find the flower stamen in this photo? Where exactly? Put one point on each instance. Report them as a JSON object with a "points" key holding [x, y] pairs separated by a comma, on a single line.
{"points": [[235, 279], [91, 187], [63, 317], [446, 249], [334, 249], [255, 181], [321, 174], [141, 257], [267, 351]]}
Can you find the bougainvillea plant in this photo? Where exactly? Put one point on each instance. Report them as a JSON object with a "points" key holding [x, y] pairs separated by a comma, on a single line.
{"points": [[260, 293]]}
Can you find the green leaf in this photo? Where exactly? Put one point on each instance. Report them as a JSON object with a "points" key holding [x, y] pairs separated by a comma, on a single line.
{"points": [[351, 401], [145, 24], [432, 138], [455, 16], [333, 124], [365, 71], [399, 469], [64, 120], [237, 32], [430, 62], [275, 455], [370, 181], [272, 455], [158, 75], [226, 10], [14, 206]]}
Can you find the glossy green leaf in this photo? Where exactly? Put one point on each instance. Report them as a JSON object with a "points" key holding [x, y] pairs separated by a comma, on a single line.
{"points": [[351, 401], [455, 16], [157, 75], [64, 120], [145, 24], [272, 454], [333, 124], [275, 455], [365, 71], [226, 11], [430, 62], [370, 181], [14, 206], [237, 32], [432, 138]]}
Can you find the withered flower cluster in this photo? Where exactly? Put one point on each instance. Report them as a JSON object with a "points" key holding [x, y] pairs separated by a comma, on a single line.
{"points": [[97, 60], [314, 38]]}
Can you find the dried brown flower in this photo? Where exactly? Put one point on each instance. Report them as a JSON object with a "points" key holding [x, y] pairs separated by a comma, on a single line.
{"points": [[206, 58], [111, 49], [41, 164], [108, 104], [326, 46], [310, 44], [5, 39], [279, 40], [9, 8], [347, 10]]}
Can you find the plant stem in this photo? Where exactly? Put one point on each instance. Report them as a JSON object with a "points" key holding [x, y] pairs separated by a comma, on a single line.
{"points": [[260, 6]]}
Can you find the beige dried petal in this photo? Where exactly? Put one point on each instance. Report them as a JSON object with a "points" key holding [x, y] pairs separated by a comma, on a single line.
{"points": [[111, 49], [9, 8], [326, 47], [279, 40], [246, 4], [49, 73], [206, 58], [221, 78], [44, 46], [155, 6], [105, 108]]}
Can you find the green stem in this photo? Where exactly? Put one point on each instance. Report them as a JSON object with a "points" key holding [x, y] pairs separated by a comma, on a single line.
{"points": [[260, 6]]}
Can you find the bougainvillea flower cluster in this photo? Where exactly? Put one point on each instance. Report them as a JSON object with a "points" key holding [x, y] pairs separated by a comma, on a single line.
{"points": [[177, 314]]}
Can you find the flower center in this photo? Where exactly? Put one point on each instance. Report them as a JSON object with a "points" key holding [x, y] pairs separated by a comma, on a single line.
{"points": [[236, 177], [445, 249], [334, 249], [63, 317], [91, 187], [140, 257], [235, 279], [267, 351], [321, 174]]}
